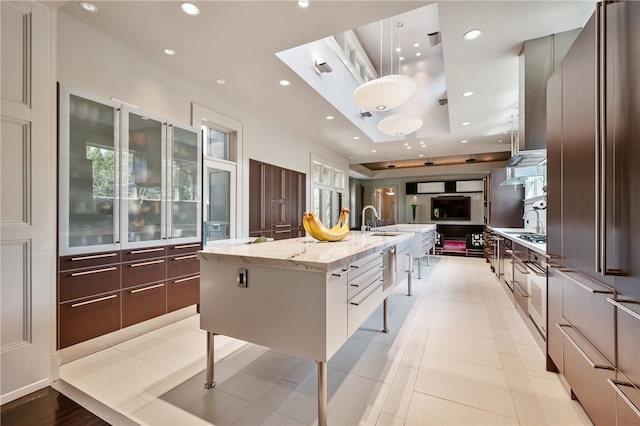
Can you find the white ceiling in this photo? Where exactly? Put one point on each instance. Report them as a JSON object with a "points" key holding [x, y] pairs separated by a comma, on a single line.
{"points": [[238, 40]]}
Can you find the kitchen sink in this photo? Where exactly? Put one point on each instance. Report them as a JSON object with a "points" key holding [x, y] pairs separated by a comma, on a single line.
{"points": [[385, 234]]}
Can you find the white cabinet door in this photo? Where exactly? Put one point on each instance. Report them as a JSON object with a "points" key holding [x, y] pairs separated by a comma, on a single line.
{"points": [[28, 201]]}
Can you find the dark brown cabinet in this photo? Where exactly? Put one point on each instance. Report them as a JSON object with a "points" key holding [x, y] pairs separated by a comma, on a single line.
{"points": [[504, 205], [84, 319], [593, 232], [104, 292], [276, 201]]}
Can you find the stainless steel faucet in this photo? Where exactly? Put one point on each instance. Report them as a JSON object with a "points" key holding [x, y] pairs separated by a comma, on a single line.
{"points": [[375, 213], [538, 222]]}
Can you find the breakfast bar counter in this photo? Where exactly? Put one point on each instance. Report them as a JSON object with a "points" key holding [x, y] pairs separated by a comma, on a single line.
{"points": [[300, 296]]}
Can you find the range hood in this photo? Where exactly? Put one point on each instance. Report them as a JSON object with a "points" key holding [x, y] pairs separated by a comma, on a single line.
{"points": [[518, 175], [528, 158]]}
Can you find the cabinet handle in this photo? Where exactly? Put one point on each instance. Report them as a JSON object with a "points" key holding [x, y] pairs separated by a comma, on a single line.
{"points": [[151, 250], [152, 262], [184, 246], [565, 273], [138, 290], [579, 349], [283, 232], [181, 280], [95, 256], [88, 302], [619, 304], [190, 256], [282, 226], [361, 301], [341, 273], [616, 386], [95, 271]]}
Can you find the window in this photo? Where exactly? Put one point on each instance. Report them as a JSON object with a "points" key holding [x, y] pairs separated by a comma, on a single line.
{"points": [[328, 185], [222, 145]]}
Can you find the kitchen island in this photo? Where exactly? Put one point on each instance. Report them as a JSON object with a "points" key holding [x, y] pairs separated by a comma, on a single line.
{"points": [[300, 296], [424, 239]]}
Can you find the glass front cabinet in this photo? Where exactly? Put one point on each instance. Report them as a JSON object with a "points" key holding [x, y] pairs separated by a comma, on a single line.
{"points": [[129, 218], [127, 179]]}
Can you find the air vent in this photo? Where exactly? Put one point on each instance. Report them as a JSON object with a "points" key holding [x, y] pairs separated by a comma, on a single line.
{"points": [[443, 101]]}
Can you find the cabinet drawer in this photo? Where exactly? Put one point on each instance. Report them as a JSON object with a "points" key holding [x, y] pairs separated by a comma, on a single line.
{"points": [[364, 265], [183, 249], [88, 260], [587, 372], [627, 402], [183, 292], [585, 307], [143, 253], [362, 306], [85, 319], [143, 303], [143, 272], [628, 317], [282, 233], [363, 281], [81, 283], [183, 265]]}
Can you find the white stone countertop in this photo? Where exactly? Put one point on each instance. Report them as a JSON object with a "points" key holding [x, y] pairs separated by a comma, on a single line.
{"points": [[407, 227], [512, 234], [304, 253]]}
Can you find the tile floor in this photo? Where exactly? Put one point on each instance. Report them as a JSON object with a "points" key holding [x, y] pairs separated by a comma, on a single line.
{"points": [[458, 353]]}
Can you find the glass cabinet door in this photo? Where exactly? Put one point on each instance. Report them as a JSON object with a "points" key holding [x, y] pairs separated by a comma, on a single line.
{"points": [[184, 184], [143, 180], [88, 179]]}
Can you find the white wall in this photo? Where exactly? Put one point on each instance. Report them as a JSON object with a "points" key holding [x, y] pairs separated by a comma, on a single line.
{"points": [[99, 64]]}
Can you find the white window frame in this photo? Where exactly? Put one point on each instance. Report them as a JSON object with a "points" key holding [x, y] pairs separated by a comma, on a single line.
{"points": [[201, 115]]}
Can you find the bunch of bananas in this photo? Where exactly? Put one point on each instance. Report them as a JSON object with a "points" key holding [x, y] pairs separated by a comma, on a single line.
{"points": [[317, 230]]}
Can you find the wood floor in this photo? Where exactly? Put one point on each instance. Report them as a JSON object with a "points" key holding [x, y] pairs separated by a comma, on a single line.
{"points": [[47, 407]]}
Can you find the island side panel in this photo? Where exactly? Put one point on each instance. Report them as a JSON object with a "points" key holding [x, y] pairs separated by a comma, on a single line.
{"points": [[298, 312]]}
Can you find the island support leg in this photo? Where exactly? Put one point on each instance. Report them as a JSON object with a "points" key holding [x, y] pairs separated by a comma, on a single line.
{"points": [[419, 268], [410, 271], [385, 315], [322, 393], [209, 384]]}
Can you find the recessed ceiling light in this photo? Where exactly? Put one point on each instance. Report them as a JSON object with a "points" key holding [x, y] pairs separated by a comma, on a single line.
{"points": [[89, 7], [329, 117], [421, 155], [190, 8], [169, 52], [408, 147], [416, 44], [466, 123], [221, 81], [500, 141], [418, 54], [303, 3], [406, 143], [402, 58], [356, 137], [472, 34], [373, 150], [284, 82], [398, 49], [466, 94], [464, 141]]}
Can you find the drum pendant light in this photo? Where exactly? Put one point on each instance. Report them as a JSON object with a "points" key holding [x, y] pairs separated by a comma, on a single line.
{"points": [[385, 93], [399, 124]]}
